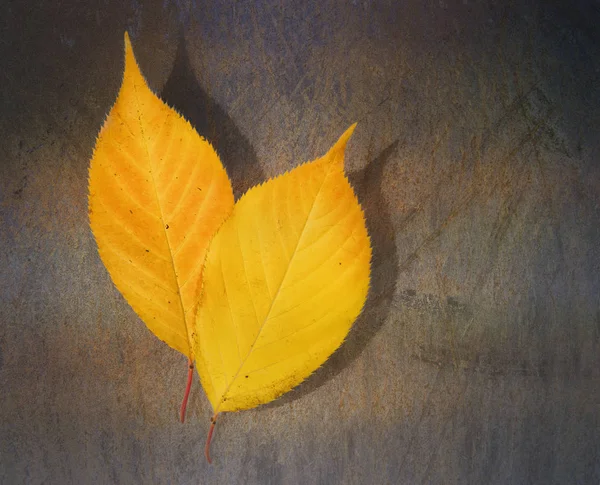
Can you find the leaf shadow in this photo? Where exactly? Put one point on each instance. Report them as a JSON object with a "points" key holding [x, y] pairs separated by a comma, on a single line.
{"points": [[385, 268], [183, 92]]}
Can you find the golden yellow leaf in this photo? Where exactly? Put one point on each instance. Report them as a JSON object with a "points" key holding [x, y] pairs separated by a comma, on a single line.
{"points": [[157, 194], [285, 277]]}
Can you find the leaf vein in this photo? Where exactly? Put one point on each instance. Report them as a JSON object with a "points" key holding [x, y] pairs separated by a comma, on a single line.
{"points": [[136, 237], [234, 378], [233, 321], [145, 138]]}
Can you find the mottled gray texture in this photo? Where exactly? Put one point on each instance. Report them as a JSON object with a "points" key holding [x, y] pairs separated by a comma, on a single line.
{"points": [[477, 159]]}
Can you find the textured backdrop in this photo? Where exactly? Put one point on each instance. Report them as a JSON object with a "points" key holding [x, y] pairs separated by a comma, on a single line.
{"points": [[477, 159]]}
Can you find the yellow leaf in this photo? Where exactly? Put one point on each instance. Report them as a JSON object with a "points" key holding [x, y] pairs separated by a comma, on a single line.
{"points": [[157, 194], [285, 277]]}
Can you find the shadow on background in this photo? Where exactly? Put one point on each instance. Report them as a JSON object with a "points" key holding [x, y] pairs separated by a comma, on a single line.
{"points": [[183, 93], [367, 184]]}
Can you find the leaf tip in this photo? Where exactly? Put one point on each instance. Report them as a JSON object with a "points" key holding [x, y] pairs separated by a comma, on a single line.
{"points": [[346, 136], [337, 150], [350, 130], [129, 56], [127, 40]]}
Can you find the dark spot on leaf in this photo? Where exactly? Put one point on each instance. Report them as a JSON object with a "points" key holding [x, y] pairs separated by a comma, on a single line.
{"points": [[130, 211], [147, 250], [246, 377], [199, 189], [167, 226]]}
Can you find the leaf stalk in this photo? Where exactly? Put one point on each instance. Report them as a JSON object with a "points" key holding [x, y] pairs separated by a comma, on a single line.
{"points": [[187, 389], [213, 421]]}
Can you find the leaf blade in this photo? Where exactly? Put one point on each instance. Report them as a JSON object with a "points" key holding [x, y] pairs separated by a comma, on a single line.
{"points": [[291, 247], [157, 194]]}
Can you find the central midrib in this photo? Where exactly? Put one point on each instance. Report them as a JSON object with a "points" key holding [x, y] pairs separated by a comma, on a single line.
{"points": [[276, 293], [162, 218]]}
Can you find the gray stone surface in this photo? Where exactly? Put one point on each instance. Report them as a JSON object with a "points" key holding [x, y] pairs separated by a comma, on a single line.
{"points": [[477, 159]]}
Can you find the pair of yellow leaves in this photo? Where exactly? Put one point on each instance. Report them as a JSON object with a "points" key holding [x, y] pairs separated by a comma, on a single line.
{"points": [[258, 293]]}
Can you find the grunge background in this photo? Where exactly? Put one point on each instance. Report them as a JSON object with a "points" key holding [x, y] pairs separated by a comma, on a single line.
{"points": [[477, 159]]}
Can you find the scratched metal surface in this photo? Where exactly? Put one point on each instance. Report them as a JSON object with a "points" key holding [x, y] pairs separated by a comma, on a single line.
{"points": [[476, 157]]}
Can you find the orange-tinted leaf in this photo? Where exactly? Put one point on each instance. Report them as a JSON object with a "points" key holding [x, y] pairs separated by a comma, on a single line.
{"points": [[157, 194]]}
